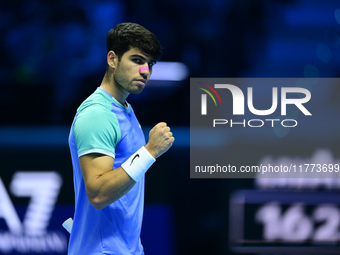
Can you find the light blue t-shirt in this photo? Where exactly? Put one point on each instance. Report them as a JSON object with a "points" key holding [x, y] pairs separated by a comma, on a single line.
{"points": [[103, 125]]}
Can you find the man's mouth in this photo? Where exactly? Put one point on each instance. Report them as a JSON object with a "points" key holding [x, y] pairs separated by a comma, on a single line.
{"points": [[141, 82]]}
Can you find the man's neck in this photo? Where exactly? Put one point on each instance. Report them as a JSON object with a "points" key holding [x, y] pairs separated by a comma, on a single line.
{"points": [[113, 89]]}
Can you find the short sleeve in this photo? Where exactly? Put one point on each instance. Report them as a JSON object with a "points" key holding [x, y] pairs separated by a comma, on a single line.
{"points": [[96, 130]]}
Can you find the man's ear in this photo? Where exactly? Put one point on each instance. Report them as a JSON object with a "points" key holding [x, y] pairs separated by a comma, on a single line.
{"points": [[112, 59]]}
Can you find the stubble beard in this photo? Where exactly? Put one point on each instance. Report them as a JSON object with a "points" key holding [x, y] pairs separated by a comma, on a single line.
{"points": [[126, 85]]}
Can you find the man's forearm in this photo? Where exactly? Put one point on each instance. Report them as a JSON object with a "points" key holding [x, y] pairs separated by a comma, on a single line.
{"points": [[109, 187]]}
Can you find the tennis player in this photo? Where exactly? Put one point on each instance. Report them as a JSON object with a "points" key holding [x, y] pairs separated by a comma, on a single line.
{"points": [[109, 154]]}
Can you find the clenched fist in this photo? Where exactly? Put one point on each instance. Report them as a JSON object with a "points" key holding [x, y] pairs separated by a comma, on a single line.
{"points": [[160, 140]]}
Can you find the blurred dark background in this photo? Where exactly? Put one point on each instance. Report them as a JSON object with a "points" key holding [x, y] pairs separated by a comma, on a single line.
{"points": [[52, 56]]}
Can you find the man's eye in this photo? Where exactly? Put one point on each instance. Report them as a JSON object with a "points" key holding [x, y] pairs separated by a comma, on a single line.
{"points": [[151, 64], [138, 61]]}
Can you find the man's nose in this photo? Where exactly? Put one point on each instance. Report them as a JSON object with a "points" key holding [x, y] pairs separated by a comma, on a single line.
{"points": [[144, 70]]}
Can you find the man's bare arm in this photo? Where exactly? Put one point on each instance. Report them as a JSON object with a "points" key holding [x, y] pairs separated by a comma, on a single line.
{"points": [[104, 185]]}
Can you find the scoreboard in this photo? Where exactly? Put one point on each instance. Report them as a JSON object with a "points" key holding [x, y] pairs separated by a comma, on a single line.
{"points": [[285, 221]]}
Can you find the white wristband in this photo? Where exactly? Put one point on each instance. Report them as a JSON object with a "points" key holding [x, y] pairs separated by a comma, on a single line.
{"points": [[138, 163]]}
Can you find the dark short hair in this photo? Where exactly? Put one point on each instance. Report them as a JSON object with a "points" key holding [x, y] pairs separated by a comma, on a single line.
{"points": [[126, 35]]}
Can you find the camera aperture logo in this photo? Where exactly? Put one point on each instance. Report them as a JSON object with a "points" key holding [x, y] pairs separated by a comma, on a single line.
{"points": [[204, 98], [238, 105]]}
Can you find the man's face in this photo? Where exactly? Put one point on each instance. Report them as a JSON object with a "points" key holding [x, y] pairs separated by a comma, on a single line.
{"points": [[128, 76]]}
